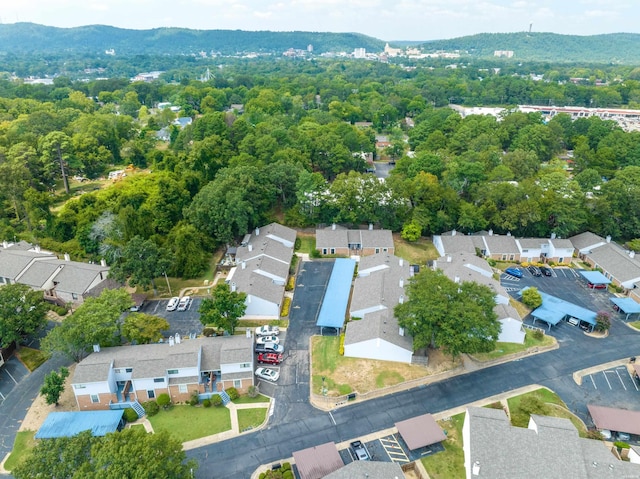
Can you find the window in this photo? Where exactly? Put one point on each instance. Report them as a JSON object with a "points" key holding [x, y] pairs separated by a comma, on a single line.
{"points": [[504, 257], [245, 365], [525, 250], [182, 388], [384, 250], [560, 260], [74, 296], [333, 251], [512, 257], [172, 371], [324, 250], [377, 250], [117, 370], [128, 370], [158, 380], [95, 398], [151, 394], [237, 383], [79, 386]]}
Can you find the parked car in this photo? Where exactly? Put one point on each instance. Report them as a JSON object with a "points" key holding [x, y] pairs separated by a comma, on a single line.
{"points": [[606, 434], [513, 271], [267, 330], [269, 348], [268, 374], [597, 286], [184, 303], [546, 271], [268, 339], [173, 303], [534, 270], [270, 358], [360, 451], [623, 436]]}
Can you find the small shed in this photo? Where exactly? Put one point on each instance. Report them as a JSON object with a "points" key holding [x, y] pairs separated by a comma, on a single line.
{"points": [[626, 306], [68, 424], [420, 431], [318, 461]]}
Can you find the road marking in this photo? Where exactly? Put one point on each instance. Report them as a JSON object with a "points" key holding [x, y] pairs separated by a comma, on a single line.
{"points": [[619, 377], [633, 380], [604, 373], [594, 383], [332, 419], [14, 379], [3, 398], [394, 450]]}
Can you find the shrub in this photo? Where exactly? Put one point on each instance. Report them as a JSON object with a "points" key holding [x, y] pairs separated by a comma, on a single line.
{"points": [[537, 334], [492, 262], [603, 321], [341, 348], [297, 244], [287, 475], [253, 392], [621, 445], [285, 466], [315, 254], [59, 310], [216, 400], [262, 475], [130, 415], [411, 232], [593, 434], [294, 264], [206, 403], [291, 283], [164, 400], [233, 393], [151, 408], [194, 400], [286, 304]]}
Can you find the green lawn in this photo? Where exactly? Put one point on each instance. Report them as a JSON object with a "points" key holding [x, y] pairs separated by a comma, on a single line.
{"points": [[307, 243], [416, 253], [546, 403], [186, 423], [31, 358], [249, 400], [22, 447], [635, 324], [251, 418], [504, 349], [448, 464]]}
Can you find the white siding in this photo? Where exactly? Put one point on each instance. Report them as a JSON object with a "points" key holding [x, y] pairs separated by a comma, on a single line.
{"points": [[148, 384], [511, 331], [260, 307], [378, 349], [184, 372], [235, 368], [91, 388]]}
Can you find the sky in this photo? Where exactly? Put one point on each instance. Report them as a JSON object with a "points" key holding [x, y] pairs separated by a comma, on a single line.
{"points": [[384, 19]]}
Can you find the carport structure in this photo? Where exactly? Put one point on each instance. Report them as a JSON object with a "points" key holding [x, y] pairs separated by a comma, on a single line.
{"points": [[318, 461], [595, 278], [614, 419], [68, 424], [553, 310], [420, 431], [336, 298], [626, 306]]}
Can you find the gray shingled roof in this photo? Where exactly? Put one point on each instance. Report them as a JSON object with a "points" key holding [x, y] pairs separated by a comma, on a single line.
{"points": [[467, 266], [585, 240], [364, 469], [457, 243], [614, 260], [535, 243], [377, 325], [328, 238], [339, 238], [498, 244], [561, 243], [76, 277], [264, 246], [13, 262], [255, 284], [550, 448], [38, 272]]}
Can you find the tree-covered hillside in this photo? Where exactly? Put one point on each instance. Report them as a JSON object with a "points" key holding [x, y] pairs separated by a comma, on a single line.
{"points": [[33, 38], [611, 48]]}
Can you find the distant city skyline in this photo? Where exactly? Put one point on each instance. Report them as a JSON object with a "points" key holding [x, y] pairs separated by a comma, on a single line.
{"points": [[411, 20]]}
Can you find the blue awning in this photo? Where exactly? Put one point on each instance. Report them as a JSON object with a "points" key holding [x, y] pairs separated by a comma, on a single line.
{"points": [[626, 305], [595, 277], [68, 424], [553, 310], [336, 297]]}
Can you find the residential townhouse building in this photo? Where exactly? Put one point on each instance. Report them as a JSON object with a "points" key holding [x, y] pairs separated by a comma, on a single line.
{"points": [[337, 240]]}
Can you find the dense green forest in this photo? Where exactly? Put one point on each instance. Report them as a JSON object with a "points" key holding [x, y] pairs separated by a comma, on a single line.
{"points": [[20, 38], [295, 155], [609, 48]]}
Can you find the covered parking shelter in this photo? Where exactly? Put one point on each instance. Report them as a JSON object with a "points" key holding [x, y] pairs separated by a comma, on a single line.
{"points": [[420, 431], [614, 419], [626, 306], [553, 310], [595, 278], [336, 297], [318, 461], [68, 424]]}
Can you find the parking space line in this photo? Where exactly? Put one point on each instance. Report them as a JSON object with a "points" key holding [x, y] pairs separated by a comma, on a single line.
{"points": [[332, 418], [2, 395], [594, 383], [604, 373], [620, 377], [633, 380], [9, 374], [394, 450]]}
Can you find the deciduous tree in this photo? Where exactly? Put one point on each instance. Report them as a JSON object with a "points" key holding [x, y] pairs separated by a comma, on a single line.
{"points": [[224, 309], [144, 328], [54, 385], [22, 312]]}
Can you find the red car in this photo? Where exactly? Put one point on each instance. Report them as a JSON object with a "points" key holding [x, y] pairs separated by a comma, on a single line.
{"points": [[270, 358], [597, 286]]}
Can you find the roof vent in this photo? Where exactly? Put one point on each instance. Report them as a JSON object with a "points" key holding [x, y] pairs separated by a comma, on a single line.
{"points": [[475, 470], [608, 238], [96, 348]]}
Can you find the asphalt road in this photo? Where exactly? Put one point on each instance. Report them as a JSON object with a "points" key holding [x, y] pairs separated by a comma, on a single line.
{"points": [[240, 456]]}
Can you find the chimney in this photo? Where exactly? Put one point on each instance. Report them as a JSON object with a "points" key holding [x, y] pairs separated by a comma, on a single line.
{"points": [[449, 258], [553, 236], [508, 233], [103, 262], [370, 226], [244, 264], [401, 331], [233, 287], [178, 338], [401, 283], [37, 248], [250, 247], [608, 238], [171, 341], [456, 279], [632, 254], [401, 299], [257, 231], [5, 244], [333, 227], [67, 257], [401, 262], [96, 348], [475, 470], [490, 232], [453, 232]]}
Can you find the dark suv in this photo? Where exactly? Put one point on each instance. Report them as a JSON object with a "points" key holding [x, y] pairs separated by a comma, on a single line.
{"points": [[546, 271], [360, 451], [534, 270]]}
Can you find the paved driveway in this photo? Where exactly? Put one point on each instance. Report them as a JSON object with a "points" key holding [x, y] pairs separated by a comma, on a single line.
{"points": [[183, 322], [11, 373], [292, 390]]}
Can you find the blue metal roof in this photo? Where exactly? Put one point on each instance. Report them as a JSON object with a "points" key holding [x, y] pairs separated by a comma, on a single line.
{"points": [[68, 424], [554, 309], [626, 305], [595, 277], [336, 297]]}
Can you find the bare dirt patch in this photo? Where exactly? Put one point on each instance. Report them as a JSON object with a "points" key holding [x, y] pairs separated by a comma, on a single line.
{"points": [[39, 410]]}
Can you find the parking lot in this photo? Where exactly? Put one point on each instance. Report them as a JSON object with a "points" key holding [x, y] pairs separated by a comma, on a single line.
{"points": [[614, 379], [391, 448], [182, 322], [11, 373]]}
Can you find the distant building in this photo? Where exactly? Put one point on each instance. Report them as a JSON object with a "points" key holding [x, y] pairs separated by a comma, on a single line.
{"points": [[360, 53], [503, 53], [393, 52]]}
